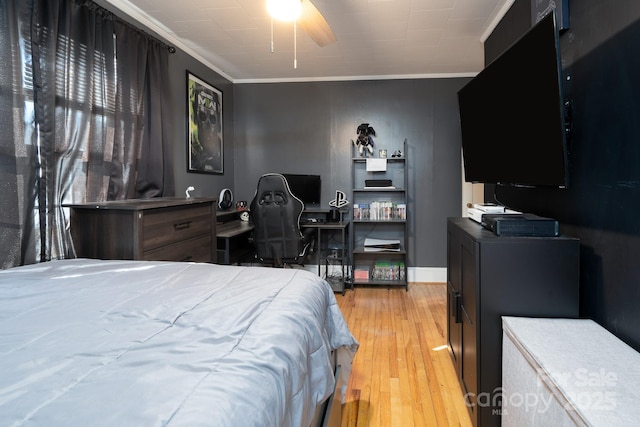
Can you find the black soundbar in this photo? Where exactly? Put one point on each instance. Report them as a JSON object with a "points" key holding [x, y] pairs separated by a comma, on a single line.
{"points": [[377, 183]]}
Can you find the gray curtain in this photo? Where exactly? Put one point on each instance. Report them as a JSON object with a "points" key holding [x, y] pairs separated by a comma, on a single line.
{"points": [[85, 113]]}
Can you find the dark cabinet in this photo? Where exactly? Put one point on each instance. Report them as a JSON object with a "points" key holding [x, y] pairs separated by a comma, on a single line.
{"points": [[489, 276]]}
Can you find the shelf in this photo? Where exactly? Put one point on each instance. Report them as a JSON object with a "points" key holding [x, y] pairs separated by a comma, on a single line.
{"points": [[380, 213], [379, 190], [378, 221], [389, 159], [381, 282], [361, 251]]}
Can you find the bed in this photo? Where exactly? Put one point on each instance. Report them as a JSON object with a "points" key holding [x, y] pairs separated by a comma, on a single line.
{"points": [[144, 343]]}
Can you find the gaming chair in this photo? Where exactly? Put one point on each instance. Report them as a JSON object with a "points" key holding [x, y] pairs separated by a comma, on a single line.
{"points": [[275, 213]]}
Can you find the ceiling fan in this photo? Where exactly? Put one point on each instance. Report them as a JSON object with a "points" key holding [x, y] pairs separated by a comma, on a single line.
{"points": [[303, 12], [312, 21]]}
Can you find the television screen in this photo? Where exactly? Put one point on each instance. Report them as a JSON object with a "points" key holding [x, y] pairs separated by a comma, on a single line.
{"points": [[512, 115], [305, 187]]}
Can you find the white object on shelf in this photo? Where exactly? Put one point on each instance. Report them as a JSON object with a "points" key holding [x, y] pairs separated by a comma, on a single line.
{"points": [[376, 165]]}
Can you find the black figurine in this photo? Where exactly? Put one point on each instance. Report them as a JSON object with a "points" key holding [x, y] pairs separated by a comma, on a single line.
{"points": [[364, 140]]}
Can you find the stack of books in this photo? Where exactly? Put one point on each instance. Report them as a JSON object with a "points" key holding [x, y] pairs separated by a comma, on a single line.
{"points": [[381, 270], [380, 211], [388, 270], [361, 272]]}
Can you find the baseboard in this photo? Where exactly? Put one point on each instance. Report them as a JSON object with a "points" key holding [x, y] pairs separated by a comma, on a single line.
{"points": [[416, 274], [427, 274]]}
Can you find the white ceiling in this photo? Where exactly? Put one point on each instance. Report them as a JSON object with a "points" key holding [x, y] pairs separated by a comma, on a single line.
{"points": [[375, 38]]}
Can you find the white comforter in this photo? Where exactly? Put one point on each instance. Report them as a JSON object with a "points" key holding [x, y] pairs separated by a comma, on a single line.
{"points": [[124, 343]]}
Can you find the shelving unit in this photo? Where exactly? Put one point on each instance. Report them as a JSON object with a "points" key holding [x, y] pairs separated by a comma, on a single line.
{"points": [[379, 213]]}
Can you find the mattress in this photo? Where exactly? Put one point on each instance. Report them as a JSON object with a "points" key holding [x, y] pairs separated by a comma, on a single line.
{"points": [[139, 343]]}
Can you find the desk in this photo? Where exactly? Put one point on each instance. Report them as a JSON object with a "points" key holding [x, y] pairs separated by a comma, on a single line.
{"points": [[233, 245], [338, 255], [233, 237]]}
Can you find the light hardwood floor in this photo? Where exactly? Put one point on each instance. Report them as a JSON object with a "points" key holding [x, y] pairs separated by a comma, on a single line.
{"points": [[403, 374]]}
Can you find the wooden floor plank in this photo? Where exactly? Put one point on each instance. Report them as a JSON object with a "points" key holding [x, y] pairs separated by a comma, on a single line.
{"points": [[403, 374]]}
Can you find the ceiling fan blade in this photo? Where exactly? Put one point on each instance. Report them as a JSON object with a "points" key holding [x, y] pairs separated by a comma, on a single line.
{"points": [[312, 21]]}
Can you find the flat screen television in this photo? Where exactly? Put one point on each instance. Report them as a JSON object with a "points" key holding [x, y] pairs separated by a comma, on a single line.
{"points": [[305, 187], [512, 115]]}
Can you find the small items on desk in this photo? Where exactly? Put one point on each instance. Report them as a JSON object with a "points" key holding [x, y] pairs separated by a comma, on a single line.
{"points": [[319, 215], [314, 215]]}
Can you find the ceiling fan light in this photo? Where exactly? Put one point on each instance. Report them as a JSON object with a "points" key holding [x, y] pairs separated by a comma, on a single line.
{"points": [[284, 10]]}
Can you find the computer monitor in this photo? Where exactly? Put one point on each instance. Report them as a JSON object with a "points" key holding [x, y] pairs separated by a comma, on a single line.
{"points": [[306, 187]]}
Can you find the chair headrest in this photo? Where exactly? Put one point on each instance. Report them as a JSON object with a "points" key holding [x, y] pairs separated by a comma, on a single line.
{"points": [[272, 197], [273, 188]]}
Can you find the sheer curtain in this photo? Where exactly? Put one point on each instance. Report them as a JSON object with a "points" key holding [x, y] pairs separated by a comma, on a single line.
{"points": [[85, 105]]}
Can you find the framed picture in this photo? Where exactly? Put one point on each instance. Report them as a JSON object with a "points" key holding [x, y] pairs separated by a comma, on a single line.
{"points": [[205, 138]]}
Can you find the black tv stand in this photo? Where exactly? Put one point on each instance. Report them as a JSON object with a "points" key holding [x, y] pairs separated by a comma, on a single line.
{"points": [[490, 276]]}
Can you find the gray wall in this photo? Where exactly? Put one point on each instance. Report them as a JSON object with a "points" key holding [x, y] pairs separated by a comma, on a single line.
{"points": [[205, 184], [308, 128], [601, 64]]}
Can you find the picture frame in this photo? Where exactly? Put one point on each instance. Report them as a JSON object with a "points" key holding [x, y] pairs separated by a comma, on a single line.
{"points": [[205, 138]]}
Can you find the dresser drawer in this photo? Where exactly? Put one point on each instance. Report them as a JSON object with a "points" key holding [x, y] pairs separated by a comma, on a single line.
{"points": [[163, 227], [197, 249]]}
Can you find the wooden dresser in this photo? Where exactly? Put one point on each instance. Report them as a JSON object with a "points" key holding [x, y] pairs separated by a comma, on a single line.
{"points": [[162, 229]]}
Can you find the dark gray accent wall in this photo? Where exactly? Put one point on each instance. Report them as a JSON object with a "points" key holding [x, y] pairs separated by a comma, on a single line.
{"points": [[601, 64], [206, 185], [308, 127]]}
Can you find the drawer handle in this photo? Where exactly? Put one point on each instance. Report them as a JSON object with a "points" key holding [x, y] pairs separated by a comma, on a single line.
{"points": [[182, 225], [457, 306]]}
